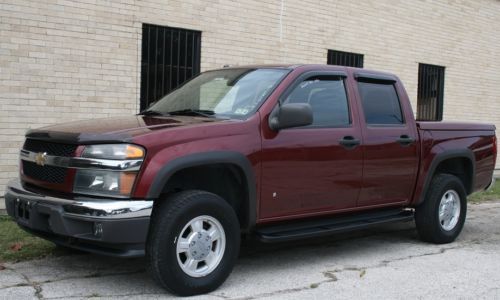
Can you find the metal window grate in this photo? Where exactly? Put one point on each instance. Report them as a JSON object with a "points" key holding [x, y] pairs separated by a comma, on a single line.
{"points": [[170, 56], [430, 92], [347, 59]]}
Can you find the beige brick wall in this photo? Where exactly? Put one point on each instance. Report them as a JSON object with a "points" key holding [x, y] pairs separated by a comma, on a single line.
{"points": [[63, 60]]}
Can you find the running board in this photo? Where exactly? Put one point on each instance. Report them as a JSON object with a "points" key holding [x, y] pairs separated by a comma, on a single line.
{"points": [[322, 227]]}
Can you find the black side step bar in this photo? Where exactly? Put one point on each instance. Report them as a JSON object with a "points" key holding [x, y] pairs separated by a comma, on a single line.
{"points": [[322, 227]]}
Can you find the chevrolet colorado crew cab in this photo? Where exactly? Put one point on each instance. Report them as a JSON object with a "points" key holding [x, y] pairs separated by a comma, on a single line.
{"points": [[274, 152]]}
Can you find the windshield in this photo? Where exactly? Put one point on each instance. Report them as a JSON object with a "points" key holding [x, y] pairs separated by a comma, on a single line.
{"points": [[231, 93]]}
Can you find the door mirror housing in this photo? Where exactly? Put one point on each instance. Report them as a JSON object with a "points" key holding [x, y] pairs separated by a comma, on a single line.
{"points": [[291, 115]]}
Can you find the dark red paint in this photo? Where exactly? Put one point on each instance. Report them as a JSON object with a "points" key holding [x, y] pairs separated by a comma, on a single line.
{"points": [[306, 172]]}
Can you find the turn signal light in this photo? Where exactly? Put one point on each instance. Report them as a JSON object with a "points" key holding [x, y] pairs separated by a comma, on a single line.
{"points": [[134, 152], [127, 182]]}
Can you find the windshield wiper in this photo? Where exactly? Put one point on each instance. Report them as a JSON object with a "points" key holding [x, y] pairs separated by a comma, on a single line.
{"points": [[152, 113], [193, 112]]}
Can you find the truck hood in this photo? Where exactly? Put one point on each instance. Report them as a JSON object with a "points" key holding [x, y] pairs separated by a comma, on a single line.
{"points": [[112, 130]]}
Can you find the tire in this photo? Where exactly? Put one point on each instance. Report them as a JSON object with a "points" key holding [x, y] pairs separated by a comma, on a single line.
{"points": [[175, 225], [444, 188]]}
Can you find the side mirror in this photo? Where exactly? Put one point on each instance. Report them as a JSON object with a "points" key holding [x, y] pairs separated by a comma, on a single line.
{"points": [[291, 115]]}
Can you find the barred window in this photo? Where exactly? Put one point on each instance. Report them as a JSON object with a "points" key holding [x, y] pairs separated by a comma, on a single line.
{"points": [[430, 92], [170, 56], [347, 59]]}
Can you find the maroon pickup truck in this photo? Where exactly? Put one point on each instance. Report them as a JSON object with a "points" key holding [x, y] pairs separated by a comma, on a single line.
{"points": [[274, 152]]}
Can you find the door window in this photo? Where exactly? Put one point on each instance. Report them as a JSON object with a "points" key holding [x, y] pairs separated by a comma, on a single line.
{"points": [[328, 100], [380, 104]]}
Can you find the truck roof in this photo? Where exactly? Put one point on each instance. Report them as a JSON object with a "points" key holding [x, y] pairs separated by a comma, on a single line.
{"points": [[309, 67]]}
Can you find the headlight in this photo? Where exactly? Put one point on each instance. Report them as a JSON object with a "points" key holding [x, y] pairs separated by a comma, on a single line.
{"points": [[113, 151], [105, 182]]}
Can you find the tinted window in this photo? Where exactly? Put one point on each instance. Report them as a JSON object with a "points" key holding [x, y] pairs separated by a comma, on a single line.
{"points": [[327, 98], [380, 103]]}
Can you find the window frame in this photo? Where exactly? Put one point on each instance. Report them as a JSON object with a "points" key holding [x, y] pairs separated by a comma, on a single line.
{"points": [[383, 80], [301, 78]]}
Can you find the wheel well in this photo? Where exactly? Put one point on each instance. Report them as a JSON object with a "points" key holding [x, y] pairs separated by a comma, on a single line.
{"points": [[461, 167], [223, 179]]}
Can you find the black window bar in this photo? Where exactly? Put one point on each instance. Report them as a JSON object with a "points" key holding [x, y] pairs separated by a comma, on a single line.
{"points": [[347, 59], [170, 56], [430, 92]]}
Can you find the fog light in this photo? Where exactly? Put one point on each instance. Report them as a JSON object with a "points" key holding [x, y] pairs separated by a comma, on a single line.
{"points": [[98, 230]]}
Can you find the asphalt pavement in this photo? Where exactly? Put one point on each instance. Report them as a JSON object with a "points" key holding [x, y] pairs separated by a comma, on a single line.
{"points": [[389, 262]]}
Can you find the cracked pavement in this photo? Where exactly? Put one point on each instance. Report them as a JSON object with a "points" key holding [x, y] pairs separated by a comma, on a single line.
{"points": [[387, 262]]}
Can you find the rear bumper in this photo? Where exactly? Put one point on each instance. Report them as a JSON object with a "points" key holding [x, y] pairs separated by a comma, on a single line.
{"points": [[104, 226]]}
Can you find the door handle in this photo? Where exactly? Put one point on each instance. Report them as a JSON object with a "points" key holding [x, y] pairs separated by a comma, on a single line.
{"points": [[349, 142], [405, 140]]}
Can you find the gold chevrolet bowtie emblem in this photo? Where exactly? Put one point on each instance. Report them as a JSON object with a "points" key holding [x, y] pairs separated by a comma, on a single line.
{"points": [[41, 158]]}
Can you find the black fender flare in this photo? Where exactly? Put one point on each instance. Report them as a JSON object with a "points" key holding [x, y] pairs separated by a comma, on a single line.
{"points": [[442, 156], [206, 158]]}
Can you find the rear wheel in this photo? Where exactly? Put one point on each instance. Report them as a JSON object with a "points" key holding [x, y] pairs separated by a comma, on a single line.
{"points": [[440, 218], [193, 242]]}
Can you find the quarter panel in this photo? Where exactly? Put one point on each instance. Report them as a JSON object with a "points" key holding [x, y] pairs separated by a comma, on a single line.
{"points": [[438, 145]]}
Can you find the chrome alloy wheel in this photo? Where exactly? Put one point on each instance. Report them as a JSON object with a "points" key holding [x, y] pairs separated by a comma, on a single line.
{"points": [[200, 246], [449, 210]]}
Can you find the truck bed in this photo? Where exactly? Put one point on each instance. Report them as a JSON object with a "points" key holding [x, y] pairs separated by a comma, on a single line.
{"points": [[455, 126]]}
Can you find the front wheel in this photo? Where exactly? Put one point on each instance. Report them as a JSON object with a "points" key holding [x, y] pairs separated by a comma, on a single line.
{"points": [[193, 242], [440, 218]]}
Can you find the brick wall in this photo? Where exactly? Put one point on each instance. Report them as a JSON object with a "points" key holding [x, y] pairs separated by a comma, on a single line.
{"points": [[63, 60]]}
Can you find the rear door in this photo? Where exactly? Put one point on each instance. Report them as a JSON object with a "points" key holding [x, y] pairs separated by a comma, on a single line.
{"points": [[313, 169], [389, 141]]}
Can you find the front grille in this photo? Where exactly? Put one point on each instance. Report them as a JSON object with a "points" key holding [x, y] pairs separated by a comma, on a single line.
{"points": [[44, 173], [50, 148]]}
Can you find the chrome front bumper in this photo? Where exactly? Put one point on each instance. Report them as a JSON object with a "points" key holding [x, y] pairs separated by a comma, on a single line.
{"points": [[107, 226]]}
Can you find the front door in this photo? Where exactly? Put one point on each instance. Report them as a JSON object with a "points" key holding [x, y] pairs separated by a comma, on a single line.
{"points": [[313, 169]]}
